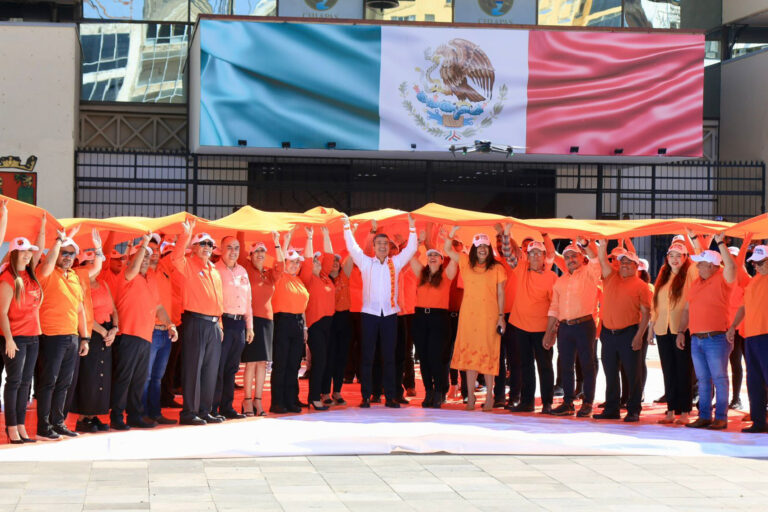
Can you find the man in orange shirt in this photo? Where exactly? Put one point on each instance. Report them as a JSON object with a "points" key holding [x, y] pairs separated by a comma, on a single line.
{"points": [[625, 311], [706, 314], [202, 335], [574, 301], [755, 315]]}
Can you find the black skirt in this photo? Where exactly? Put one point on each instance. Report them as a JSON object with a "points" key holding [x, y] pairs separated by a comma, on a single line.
{"points": [[94, 379], [260, 349]]}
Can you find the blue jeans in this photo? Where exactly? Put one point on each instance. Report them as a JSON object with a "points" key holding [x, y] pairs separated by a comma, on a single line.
{"points": [[710, 360], [158, 358]]}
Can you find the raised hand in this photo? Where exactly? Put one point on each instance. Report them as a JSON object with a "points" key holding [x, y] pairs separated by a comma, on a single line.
{"points": [[96, 239], [309, 230], [720, 237], [74, 231], [324, 230], [345, 221], [276, 237], [411, 222], [453, 231]]}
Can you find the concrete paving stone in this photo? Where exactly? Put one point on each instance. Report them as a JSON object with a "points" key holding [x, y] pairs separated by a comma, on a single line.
{"points": [[244, 462], [420, 487], [508, 494], [9, 476], [178, 481], [503, 506], [51, 499], [117, 505], [371, 505], [429, 505], [180, 499], [230, 473], [133, 498], [95, 490], [349, 487], [10, 497], [6, 486], [120, 464], [549, 494], [325, 506], [176, 466], [600, 490], [565, 504], [118, 474], [663, 490], [362, 478], [274, 507], [410, 496], [182, 506], [48, 507], [71, 467]]}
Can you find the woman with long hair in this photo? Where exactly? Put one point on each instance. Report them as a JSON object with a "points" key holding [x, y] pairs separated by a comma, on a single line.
{"points": [[669, 299], [481, 319], [341, 332]]}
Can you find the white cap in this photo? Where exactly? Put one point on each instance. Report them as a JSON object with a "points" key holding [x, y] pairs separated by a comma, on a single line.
{"points": [[154, 237], [294, 256], [630, 256], [256, 246], [643, 265], [678, 238], [618, 252], [202, 237], [682, 249], [434, 251], [709, 257], [759, 253], [22, 244], [137, 247], [536, 245], [481, 239], [68, 241], [317, 254], [166, 247], [733, 250], [572, 248]]}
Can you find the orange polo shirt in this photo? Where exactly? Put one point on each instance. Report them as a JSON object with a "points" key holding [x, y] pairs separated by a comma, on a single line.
{"points": [[201, 282], [510, 288], [575, 295], [342, 298], [406, 291], [533, 296], [436, 297], [161, 280], [755, 310], [263, 287], [85, 282], [102, 302], [62, 297], [322, 292], [355, 290], [457, 294], [737, 297], [291, 296], [24, 315], [708, 302], [137, 302], [622, 300]]}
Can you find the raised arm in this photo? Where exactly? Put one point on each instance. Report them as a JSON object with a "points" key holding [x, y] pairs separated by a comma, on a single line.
{"points": [[400, 260], [53, 254], [448, 245], [729, 273], [549, 246], [309, 248], [355, 252], [327, 244], [602, 254], [244, 257], [509, 248], [743, 250], [133, 270], [4, 218], [279, 256], [629, 245], [98, 261], [179, 252]]}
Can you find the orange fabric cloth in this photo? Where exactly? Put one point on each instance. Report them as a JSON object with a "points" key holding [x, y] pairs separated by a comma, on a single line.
{"points": [[62, 297], [291, 296], [708, 303], [342, 296], [622, 300], [85, 282], [575, 295], [533, 295], [510, 288], [665, 315], [137, 302], [438, 297], [102, 302], [322, 292], [24, 315], [263, 287], [355, 290], [477, 342], [755, 310], [201, 282], [406, 291]]}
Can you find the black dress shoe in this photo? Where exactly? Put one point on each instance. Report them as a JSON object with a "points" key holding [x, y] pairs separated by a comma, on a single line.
{"points": [[318, 407], [402, 400], [365, 404], [376, 399], [62, 430], [585, 411], [194, 420], [86, 426], [564, 409], [140, 423], [294, 409], [299, 403], [754, 429], [118, 424], [661, 400], [233, 415], [392, 404], [210, 418], [162, 420], [48, 435], [328, 401], [100, 425], [523, 408], [735, 404], [278, 409], [499, 404], [607, 415], [546, 409], [632, 417], [429, 399]]}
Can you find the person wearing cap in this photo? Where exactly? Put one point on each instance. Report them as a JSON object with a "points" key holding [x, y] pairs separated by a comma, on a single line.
{"points": [[481, 319], [289, 303], [379, 312], [238, 325], [510, 369], [737, 300], [755, 316], [64, 335], [319, 313], [341, 332], [431, 324], [706, 312], [528, 319], [258, 352], [571, 320], [201, 335], [20, 299], [625, 313], [138, 303], [669, 299]]}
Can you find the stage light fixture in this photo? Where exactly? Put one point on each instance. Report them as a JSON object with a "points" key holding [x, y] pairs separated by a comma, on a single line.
{"points": [[242, 142], [574, 149], [662, 151], [618, 151], [286, 145]]}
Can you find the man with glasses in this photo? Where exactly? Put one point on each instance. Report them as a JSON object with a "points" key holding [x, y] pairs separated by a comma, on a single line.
{"points": [[202, 336], [62, 318], [755, 316]]}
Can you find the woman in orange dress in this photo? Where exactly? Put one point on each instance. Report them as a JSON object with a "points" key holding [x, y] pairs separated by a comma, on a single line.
{"points": [[481, 318]]}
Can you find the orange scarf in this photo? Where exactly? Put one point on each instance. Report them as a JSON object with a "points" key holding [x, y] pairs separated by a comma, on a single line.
{"points": [[391, 282]]}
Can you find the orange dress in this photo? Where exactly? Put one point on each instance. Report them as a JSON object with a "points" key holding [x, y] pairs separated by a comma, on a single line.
{"points": [[477, 343]]}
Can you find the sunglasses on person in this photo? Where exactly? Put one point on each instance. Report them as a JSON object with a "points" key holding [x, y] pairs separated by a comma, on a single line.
{"points": [[205, 243], [67, 254]]}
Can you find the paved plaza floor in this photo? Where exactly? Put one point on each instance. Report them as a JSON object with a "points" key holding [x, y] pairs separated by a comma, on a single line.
{"points": [[389, 482]]}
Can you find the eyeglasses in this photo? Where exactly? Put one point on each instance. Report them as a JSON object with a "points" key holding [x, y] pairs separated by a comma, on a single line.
{"points": [[67, 254], [205, 243]]}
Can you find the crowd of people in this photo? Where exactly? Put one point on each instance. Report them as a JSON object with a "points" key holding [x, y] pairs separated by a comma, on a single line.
{"points": [[109, 332]]}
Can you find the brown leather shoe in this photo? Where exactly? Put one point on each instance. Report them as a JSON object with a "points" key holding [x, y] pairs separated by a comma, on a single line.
{"points": [[700, 423], [718, 425]]}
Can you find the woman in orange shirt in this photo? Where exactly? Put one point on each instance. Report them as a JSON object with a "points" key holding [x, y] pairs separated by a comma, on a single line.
{"points": [[289, 304], [258, 351], [431, 323], [320, 311], [341, 332]]}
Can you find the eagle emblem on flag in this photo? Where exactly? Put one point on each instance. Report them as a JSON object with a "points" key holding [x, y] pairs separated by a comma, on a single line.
{"points": [[495, 7]]}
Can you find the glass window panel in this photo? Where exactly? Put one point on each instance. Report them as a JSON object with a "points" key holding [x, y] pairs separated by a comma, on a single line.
{"points": [[652, 13], [157, 10], [133, 62], [408, 10], [239, 7], [595, 13]]}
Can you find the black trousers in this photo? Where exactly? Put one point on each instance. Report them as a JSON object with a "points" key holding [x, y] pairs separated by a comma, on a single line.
{"points": [[577, 339], [57, 357], [404, 373], [430, 328], [677, 369], [352, 368], [379, 332], [18, 378], [131, 369], [338, 352], [509, 361], [288, 347], [171, 378], [617, 349], [453, 375], [229, 363], [757, 377], [532, 352], [200, 356], [737, 370], [318, 339]]}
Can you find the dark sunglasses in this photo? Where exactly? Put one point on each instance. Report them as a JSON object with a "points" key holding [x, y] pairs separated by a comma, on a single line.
{"points": [[205, 243], [67, 254]]}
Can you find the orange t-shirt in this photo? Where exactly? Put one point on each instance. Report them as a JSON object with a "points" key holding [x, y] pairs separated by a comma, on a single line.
{"points": [[622, 299], [406, 291], [737, 297], [102, 303], [755, 310], [137, 302], [435, 297], [457, 294], [85, 282], [201, 282], [291, 296], [708, 302], [342, 298], [322, 292], [575, 295], [161, 280], [263, 287], [356, 290], [533, 295], [510, 288], [24, 315], [63, 296], [177, 296]]}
